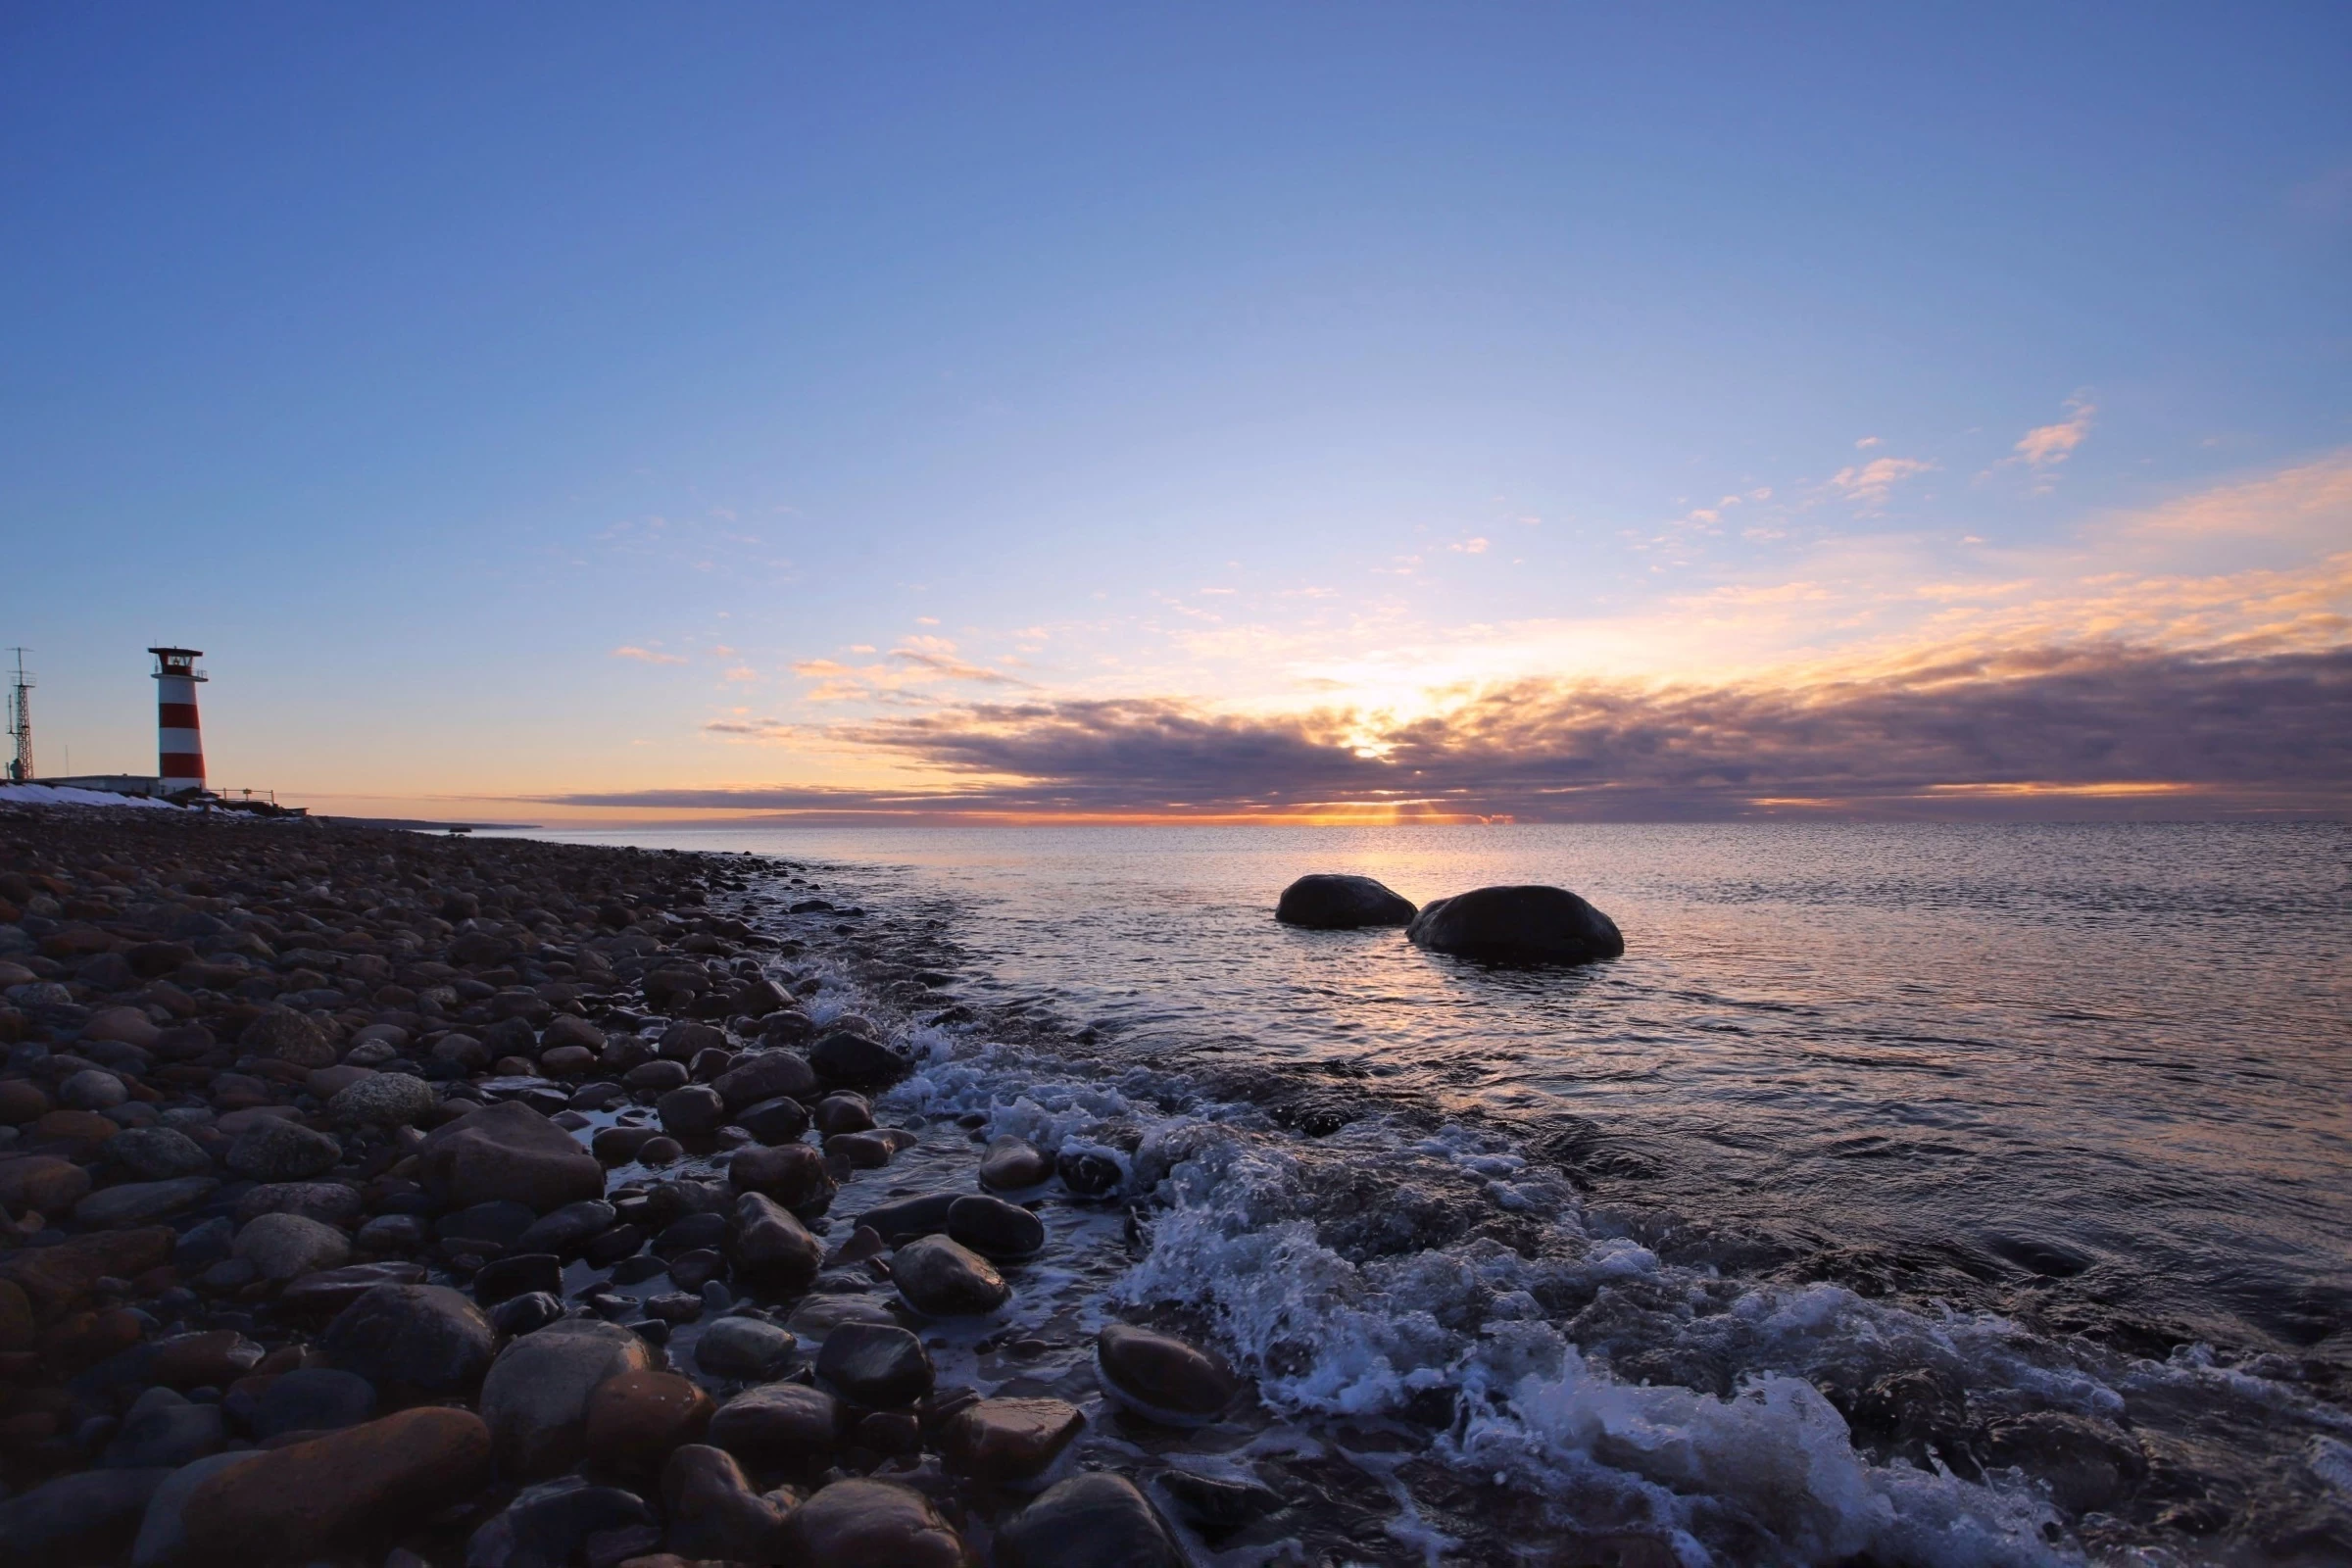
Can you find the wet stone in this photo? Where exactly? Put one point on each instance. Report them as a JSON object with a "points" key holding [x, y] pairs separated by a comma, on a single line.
{"points": [[715, 1515], [422, 1337], [912, 1217], [859, 1151], [1217, 1506], [995, 1228], [553, 1523], [1097, 1520], [690, 1271], [692, 1112], [526, 1314], [296, 1503], [744, 1349], [535, 1398], [636, 1419], [780, 1121], [1011, 1165], [877, 1522], [940, 1279], [1160, 1378], [1088, 1173], [792, 1174], [838, 1113], [880, 1366], [764, 1075], [781, 1426], [1009, 1439], [771, 1248]]}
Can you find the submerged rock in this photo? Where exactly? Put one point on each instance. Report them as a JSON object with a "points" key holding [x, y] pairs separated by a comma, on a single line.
{"points": [[1529, 924], [1324, 902]]}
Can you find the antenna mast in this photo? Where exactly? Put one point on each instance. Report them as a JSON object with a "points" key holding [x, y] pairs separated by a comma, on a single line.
{"points": [[20, 723]]}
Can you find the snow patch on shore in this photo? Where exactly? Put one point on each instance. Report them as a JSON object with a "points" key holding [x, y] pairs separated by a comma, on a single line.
{"points": [[44, 794]]}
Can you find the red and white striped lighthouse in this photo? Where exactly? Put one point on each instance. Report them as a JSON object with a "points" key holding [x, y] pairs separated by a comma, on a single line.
{"points": [[179, 745]]}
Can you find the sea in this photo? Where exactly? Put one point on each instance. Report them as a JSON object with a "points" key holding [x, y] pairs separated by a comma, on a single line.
{"points": [[1907, 1192]]}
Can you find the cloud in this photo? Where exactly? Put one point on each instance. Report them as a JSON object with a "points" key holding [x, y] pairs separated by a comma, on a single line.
{"points": [[2048, 445], [1468, 547], [953, 668], [1869, 484], [2098, 730], [645, 655]]}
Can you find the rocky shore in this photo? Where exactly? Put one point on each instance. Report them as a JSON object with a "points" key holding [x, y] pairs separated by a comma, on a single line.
{"points": [[384, 1198]]}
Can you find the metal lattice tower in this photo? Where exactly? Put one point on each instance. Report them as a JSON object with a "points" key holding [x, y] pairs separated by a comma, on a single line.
{"points": [[19, 723]]}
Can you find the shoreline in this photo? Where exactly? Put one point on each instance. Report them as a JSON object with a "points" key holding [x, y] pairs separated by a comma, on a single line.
{"points": [[1188, 1220]]}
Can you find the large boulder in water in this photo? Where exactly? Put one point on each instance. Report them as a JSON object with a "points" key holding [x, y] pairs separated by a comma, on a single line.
{"points": [[1517, 925], [1328, 903]]}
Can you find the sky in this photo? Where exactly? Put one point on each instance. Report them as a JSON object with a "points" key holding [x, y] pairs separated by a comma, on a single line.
{"points": [[1212, 412]]}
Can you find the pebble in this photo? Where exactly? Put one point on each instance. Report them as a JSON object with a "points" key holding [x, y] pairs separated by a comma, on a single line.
{"points": [[281, 1247], [771, 1246], [637, 1419], [715, 1515], [303, 1500], [1011, 1165], [747, 1350], [1097, 1520], [879, 1365], [939, 1278], [857, 1521], [535, 1398], [781, 1426], [995, 1228], [422, 1337], [159, 1154], [1009, 1439], [273, 1149], [1162, 1378]]}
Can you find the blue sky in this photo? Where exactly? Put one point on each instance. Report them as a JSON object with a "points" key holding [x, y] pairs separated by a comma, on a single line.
{"points": [[594, 401]]}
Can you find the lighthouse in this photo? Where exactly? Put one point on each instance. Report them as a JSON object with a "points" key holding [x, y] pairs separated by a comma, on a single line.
{"points": [[179, 745]]}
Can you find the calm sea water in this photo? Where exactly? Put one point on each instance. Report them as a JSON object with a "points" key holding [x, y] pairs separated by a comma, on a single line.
{"points": [[2118, 1055], [2096, 1079]]}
